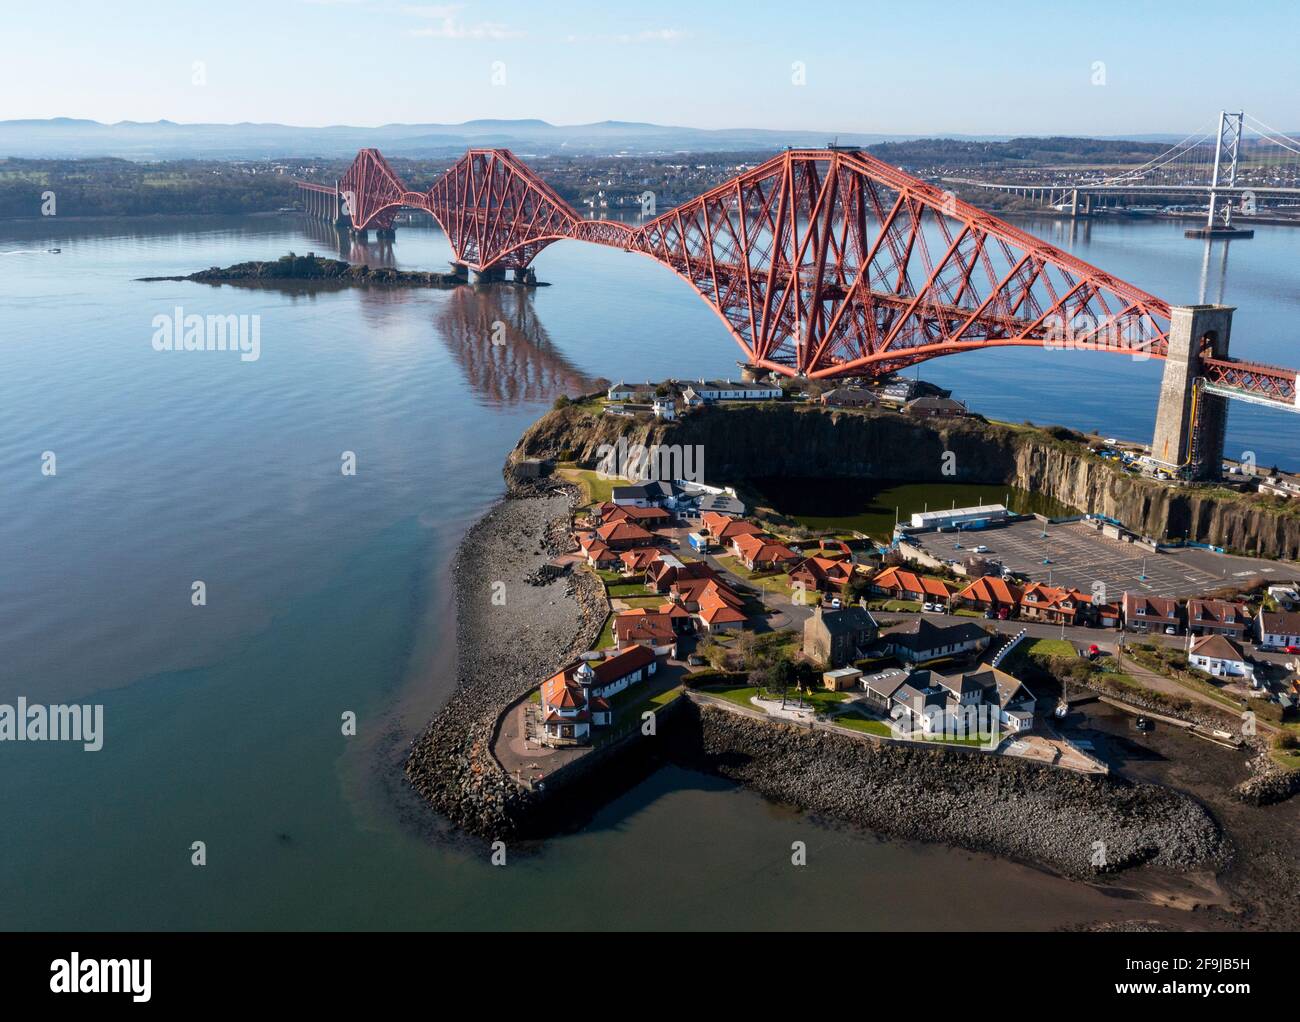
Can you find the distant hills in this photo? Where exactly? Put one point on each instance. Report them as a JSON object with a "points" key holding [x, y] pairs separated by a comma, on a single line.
{"points": [[63, 137]]}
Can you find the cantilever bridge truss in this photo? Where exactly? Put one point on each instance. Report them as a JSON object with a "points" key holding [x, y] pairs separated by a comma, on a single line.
{"points": [[821, 262]]}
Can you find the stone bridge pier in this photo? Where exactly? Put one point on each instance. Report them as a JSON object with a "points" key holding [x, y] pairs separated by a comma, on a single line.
{"points": [[1190, 422]]}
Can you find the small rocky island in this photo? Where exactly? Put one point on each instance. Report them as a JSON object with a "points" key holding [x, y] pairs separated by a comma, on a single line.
{"points": [[314, 269]]}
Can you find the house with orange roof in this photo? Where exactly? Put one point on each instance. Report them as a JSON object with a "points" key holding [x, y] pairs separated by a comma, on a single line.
{"points": [[821, 574], [662, 573], [622, 535], [715, 605], [723, 529], [1054, 605], [991, 593], [645, 627], [646, 517], [901, 584], [759, 552], [576, 699], [597, 552], [638, 559]]}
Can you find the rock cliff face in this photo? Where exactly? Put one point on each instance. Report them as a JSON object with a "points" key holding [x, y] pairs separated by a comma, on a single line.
{"points": [[750, 441]]}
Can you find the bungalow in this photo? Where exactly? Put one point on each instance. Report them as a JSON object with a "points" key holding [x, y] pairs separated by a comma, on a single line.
{"points": [[1054, 605], [901, 584], [1278, 629], [644, 627], [638, 559], [623, 535], [598, 553], [935, 408], [664, 572], [762, 552], [1217, 617], [642, 392], [1221, 657], [646, 517], [725, 390], [722, 529], [1151, 614], [991, 593], [838, 637], [576, 698], [821, 574], [921, 640], [849, 397], [718, 608]]}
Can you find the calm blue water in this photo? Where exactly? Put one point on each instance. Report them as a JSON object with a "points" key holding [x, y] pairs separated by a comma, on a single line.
{"points": [[328, 593]]}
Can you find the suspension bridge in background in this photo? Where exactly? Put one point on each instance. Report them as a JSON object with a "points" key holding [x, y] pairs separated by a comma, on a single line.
{"points": [[829, 263], [1240, 166]]}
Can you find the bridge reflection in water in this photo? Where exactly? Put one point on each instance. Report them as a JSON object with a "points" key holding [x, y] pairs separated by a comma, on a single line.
{"points": [[496, 337]]}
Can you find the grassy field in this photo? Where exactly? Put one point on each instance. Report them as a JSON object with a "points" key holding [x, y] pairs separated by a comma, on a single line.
{"points": [[595, 489], [738, 694]]}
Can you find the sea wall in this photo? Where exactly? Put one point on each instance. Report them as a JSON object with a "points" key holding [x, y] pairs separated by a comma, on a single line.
{"points": [[1079, 825], [754, 441]]}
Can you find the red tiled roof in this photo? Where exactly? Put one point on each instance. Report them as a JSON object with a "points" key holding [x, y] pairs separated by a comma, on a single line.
{"points": [[623, 663], [991, 589], [622, 532], [643, 625], [1220, 647]]}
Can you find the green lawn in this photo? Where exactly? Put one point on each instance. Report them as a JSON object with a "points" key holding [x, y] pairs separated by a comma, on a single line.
{"points": [[738, 694], [871, 727], [626, 589], [644, 601], [606, 634], [596, 490]]}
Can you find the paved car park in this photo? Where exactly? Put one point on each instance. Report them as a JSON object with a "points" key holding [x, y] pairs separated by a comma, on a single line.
{"points": [[1078, 556]]}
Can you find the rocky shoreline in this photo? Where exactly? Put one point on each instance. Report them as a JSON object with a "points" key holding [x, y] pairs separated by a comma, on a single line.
{"points": [[1023, 811], [312, 269], [503, 650], [1013, 809]]}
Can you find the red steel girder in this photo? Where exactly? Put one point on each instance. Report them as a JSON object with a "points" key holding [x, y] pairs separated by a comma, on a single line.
{"points": [[821, 262]]}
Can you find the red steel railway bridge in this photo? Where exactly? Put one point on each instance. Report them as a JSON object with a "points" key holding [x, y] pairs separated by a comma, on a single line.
{"points": [[831, 263]]}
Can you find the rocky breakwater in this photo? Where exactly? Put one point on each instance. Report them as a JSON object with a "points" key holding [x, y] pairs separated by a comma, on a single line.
{"points": [[504, 648], [1074, 824], [751, 441]]}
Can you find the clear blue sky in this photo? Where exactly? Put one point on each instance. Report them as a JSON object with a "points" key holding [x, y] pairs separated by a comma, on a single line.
{"points": [[981, 66]]}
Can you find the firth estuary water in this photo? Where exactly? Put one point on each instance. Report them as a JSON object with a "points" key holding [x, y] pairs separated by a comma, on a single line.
{"points": [[127, 475]]}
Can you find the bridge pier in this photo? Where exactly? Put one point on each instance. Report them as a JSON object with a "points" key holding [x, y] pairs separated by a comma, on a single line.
{"points": [[526, 275], [460, 270], [1190, 423], [490, 275]]}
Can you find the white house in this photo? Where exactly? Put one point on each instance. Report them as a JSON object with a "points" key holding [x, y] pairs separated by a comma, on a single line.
{"points": [[1278, 629], [1219, 656], [576, 698], [725, 390]]}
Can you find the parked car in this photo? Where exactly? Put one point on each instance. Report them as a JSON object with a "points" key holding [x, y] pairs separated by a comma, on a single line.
{"points": [[835, 603], [1170, 630], [695, 660], [981, 549], [1292, 649], [1094, 651]]}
